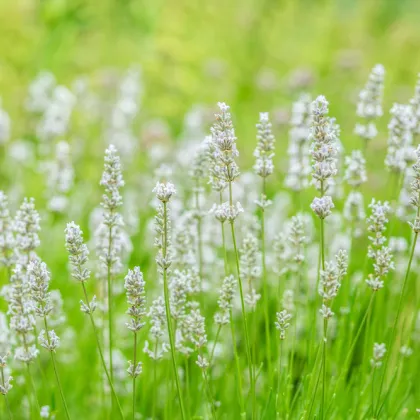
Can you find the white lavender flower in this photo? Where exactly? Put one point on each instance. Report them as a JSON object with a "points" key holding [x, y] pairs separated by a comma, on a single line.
{"points": [[355, 173], [110, 245], [225, 212], [40, 92], [415, 105], [400, 137], [379, 351], [7, 239], [60, 178], [56, 118], [225, 300], [164, 191], [164, 258], [49, 340], [134, 285], [264, 151], [39, 280], [297, 238], [369, 106], [157, 318], [299, 161], [194, 328], [377, 250], [323, 137], [78, 252], [26, 228], [21, 311], [5, 382], [282, 323], [6, 386], [330, 281], [415, 193], [354, 210], [224, 168], [288, 301], [322, 206]]}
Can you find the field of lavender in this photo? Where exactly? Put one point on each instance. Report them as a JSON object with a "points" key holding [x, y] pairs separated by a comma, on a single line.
{"points": [[216, 226]]}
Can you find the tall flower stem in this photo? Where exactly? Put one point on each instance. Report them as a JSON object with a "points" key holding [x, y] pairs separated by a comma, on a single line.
{"points": [[397, 316], [247, 341], [98, 344], [109, 290], [134, 379], [56, 371], [6, 399], [167, 307], [264, 279], [232, 327], [199, 231]]}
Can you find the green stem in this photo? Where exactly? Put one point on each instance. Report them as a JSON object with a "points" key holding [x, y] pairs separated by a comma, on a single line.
{"points": [[264, 279], [98, 344], [154, 382], [168, 311], [134, 378], [279, 381], [394, 327], [247, 341], [109, 290], [56, 371], [9, 411], [214, 344]]}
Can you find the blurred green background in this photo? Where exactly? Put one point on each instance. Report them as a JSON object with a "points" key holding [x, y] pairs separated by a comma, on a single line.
{"points": [[253, 54]]}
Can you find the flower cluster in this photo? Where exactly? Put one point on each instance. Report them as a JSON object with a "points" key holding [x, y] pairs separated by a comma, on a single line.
{"points": [[415, 193], [250, 268], [379, 351], [264, 151], [282, 323], [26, 228], [355, 173], [109, 234], [225, 301], [378, 251], [7, 238], [299, 161], [400, 137], [415, 105], [322, 206], [223, 168], [330, 281], [369, 106], [323, 138]]}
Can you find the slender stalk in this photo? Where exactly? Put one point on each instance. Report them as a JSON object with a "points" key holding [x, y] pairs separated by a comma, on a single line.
{"points": [[134, 379], [168, 312], [214, 344], [199, 231], [324, 345], [264, 279], [98, 344], [247, 341], [109, 290], [394, 327], [154, 382], [56, 371], [31, 383], [232, 327], [209, 395], [279, 380], [6, 399]]}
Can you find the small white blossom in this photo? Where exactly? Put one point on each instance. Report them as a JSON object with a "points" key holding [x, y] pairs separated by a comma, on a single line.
{"points": [[379, 351], [322, 206]]}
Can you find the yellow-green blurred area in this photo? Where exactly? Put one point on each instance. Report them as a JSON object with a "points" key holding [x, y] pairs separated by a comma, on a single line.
{"points": [[253, 54]]}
